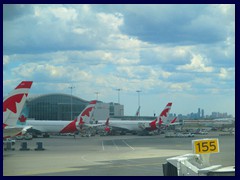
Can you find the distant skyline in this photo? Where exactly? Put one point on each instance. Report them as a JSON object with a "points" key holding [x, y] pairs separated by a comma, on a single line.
{"points": [[183, 53]]}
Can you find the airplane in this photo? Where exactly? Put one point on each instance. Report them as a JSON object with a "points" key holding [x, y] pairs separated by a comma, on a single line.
{"points": [[58, 126], [174, 122], [159, 121], [12, 107], [139, 126], [105, 129]]}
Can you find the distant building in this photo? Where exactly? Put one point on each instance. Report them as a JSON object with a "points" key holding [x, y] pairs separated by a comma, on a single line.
{"points": [[59, 107], [116, 109], [198, 115], [202, 116]]}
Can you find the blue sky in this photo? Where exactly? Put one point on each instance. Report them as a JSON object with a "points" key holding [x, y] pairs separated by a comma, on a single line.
{"points": [[181, 53]]}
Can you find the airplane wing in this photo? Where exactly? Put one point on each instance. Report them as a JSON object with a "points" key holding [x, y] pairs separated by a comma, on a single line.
{"points": [[11, 131], [93, 125]]}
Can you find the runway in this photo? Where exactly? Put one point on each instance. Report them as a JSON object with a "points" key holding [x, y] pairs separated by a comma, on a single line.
{"points": [[128, 155]]}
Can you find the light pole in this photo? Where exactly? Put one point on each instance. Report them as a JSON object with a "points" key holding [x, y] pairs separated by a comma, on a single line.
{"points": [[97, 94], [71, 87], [118, 95], [138, 91]]}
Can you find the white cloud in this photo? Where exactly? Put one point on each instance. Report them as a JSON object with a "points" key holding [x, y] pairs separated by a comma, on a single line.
{"points": [[44, 69], [121, 41], [81, 30], [64, 14], [110, 21], [226, 8], [226, 73], [104, 47], [223, 73], [180, 86], [6, 60], [197, 65]]}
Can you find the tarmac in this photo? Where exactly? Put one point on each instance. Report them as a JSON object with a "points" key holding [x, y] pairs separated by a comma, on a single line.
{"points": [[128, 155]]}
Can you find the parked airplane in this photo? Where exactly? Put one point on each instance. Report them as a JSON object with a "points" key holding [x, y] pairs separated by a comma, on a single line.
{"points": [[174, 122], [58, 126], [105, 129], [139, 125], [159, 121], [12, 107]]}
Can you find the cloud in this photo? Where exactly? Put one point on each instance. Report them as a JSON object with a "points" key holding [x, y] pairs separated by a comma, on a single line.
{"points": [[180, 86], [68, 30], [182, 24], [223, 73], [197, 65], [226, 73], [5, 60], [41, 71], [15, 11], [181, 51]]}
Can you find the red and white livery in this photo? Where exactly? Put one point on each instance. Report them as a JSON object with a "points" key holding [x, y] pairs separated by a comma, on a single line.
{"points": [[12, 107]]}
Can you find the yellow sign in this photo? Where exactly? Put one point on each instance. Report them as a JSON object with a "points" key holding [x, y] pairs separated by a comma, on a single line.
{"points": [[205, 146]]}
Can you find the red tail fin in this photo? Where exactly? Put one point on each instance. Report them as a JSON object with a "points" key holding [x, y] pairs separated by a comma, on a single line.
{"points": [[166, 110], [174, 120], [86, 113], [88, 109], [16, 96], [14, 102], [107, 128], [107, 122], [164, 114], [24, 84]]}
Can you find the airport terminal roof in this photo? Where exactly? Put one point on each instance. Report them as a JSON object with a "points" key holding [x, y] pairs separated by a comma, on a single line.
{"points": [[36, 96]]}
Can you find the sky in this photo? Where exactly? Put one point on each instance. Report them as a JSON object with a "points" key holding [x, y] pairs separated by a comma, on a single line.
{"points": [[183, 53]]}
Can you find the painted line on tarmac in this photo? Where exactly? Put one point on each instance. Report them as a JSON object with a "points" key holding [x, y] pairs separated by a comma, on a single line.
{"points": [[46, 171], [115, 144], [132, 165], [102, 146], [128, 145], [89, 161], [83, 158]]}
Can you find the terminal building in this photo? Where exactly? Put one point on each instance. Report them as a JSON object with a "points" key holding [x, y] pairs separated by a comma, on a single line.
{"points": [[66, 107]]}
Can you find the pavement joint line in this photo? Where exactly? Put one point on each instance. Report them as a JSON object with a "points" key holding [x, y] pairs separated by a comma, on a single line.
{"points": [[129, 165], [115, 145], [39, 172], [128, 145], [102, 146]]}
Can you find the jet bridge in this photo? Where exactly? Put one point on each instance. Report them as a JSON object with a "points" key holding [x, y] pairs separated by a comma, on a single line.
{"points": [[197, 164]]}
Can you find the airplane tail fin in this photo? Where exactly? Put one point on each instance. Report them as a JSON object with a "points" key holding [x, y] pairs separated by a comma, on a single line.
{"points": [[86, 114], [107, 122], [107, 128], [138, 111], [164, 114], [14, 102], [174, 120], [22, 120]]}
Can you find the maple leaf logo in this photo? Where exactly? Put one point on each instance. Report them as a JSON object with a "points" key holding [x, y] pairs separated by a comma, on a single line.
{"points": [[22, 119], [10, 103]]}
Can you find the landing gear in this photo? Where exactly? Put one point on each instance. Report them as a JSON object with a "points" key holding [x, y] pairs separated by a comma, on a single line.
{"points": [[46, 135]]}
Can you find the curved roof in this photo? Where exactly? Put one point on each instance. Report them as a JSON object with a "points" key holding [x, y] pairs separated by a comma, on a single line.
{"points": [[36, 97]]}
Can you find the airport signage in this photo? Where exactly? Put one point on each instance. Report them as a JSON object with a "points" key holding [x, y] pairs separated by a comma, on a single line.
{"points": [[205, 146]]}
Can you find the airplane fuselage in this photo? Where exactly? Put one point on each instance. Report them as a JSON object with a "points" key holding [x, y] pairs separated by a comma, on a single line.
{"points": [[48, 126], [130, 125]]}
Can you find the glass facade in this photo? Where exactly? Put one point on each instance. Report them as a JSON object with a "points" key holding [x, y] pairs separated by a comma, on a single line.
{"points": [[55, 107]]}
